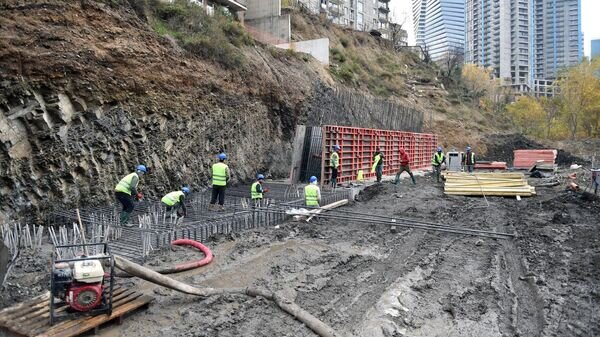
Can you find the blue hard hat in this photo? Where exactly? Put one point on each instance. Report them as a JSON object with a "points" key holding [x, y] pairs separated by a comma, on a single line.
{"points": [[313, 179], [468, 148], [185, 190], [336, 147], [222, 156], [260, 176], [439, 149], [141, 168]]}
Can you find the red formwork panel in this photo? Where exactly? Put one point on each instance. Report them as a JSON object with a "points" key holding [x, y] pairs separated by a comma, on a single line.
{"points": [[358, 145]]}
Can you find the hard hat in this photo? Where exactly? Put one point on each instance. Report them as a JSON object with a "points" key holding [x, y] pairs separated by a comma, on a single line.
{"points": [[336, 147], [439, 149], [222, 156], [313, 179], [141, 168], [185, 190], [468, 148], [260, 176]]}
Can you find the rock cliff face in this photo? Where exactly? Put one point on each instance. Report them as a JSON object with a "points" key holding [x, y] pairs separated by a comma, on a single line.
{"points": [[87, 91]]}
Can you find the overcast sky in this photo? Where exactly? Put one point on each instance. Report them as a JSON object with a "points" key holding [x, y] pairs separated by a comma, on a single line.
{"points": [[590, 17]]}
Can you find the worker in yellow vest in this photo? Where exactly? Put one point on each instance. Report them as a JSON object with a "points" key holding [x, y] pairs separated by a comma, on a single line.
{"points": [[334, 163], [257, 189], [126, 191], [175, 202], [377, 167], [438, 159], [312, 193], [220, 178]]}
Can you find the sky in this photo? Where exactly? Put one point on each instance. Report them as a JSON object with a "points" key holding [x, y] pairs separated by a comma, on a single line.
{"points": [[590, 23]]}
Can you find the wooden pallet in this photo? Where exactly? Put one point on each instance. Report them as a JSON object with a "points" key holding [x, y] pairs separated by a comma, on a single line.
{"points": [[32, 318]]}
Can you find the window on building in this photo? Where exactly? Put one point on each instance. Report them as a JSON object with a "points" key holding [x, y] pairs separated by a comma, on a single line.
{"points": [[359, 19], [360, 7]]}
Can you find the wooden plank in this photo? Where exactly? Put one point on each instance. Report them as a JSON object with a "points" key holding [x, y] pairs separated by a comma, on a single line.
{"points": [[41, 326], [15, 309], [42, 315], [98, 320]]}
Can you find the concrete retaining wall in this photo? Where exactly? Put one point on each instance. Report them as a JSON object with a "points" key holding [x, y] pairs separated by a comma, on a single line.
{"points": [[258, 9], [273, 30], [318, 48]]}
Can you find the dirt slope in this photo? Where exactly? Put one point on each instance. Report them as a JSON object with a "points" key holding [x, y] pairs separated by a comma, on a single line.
{"points": [[89, 90]]}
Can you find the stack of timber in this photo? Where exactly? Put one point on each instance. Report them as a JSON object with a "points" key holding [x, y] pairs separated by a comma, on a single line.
{"points": [[488, 184]]}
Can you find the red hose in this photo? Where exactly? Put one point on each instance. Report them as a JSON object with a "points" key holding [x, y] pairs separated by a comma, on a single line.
{"points": [[208, 257], [193, 264]]}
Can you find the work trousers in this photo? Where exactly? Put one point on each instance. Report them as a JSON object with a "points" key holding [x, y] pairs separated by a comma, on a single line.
{"points": [[437, 169], [379, 172], [218, 192], [127, 203], [404, 168], [334, 174], [175, 208], [469, 168]]}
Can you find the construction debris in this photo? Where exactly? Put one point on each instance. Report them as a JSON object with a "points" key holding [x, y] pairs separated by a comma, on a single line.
{"points": [[488, 184], [491, 165]]}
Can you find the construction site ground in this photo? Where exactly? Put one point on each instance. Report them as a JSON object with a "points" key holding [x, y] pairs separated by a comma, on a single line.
{"points": [[364, 280]]}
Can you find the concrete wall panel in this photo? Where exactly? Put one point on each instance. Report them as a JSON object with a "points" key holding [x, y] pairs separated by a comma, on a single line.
{"points": [[318, 48]]}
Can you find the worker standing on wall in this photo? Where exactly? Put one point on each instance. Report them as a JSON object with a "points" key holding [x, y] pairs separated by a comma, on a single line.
{"points": [[175, 202], [468, 160], [334, 162], [404, 167], [377, 167], [126, 191], [312, 193], [438, 159], [257, 190], [220, 178]]}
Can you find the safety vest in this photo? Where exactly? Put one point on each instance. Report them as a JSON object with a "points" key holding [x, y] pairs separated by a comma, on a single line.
{"points": [[472, 159], [438, 159], [125, 184], [172, 198], [335, 160], [254, 192], [311, 195], [377, 159], [219, 174]]}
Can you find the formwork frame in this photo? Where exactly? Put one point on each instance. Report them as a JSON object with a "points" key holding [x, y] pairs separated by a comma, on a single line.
{"points": [[358, 146]]}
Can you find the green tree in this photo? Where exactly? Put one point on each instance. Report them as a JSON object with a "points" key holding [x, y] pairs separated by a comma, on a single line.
{"points": [[528, 115]]}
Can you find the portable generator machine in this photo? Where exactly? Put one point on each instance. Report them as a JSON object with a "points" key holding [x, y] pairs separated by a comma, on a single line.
{"points": [[82, 285]]}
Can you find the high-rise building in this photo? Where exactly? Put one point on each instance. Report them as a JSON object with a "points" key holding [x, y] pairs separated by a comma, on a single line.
{"points": [[524, 41], [595, 52], [439, 26], [557, 37], [364, 15]]}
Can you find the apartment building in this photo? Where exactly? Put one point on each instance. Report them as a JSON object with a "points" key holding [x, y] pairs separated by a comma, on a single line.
{"points": [[595, 51], [525, 42], [439, 26], [363, 15]]}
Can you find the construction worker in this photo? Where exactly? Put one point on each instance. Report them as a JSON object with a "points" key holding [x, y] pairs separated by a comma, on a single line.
{"points": [[438, 159], [220, 178], [257, 190], [312, 193], [175, 202], [334, 162], [126, 191], [377, 167], [404, 167], [468, 160]]}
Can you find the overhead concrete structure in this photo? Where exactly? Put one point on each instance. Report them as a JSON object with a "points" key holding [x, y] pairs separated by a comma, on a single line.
{"points": [[264, 21]]}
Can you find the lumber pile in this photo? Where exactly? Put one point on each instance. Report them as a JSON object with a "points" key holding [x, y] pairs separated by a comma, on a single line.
{"points": [[488, 184]]}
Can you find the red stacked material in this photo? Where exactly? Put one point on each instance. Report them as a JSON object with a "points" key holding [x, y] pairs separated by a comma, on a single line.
{"points": [[358, 145], [491, 165], [525, 159]]}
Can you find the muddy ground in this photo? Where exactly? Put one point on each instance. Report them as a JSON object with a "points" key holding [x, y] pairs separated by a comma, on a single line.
{"points": [[364, 280]]}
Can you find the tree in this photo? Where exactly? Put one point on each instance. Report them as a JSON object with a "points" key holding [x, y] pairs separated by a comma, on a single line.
{"points": [[551, 106], [397, 36], [477, 79], [451, 65], [580, 96], [528, 115]]}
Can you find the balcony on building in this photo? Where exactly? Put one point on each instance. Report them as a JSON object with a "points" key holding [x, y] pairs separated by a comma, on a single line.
{"points": [[233, 5]]}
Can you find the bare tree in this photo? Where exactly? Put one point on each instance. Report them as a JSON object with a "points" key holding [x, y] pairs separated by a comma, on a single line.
{"points": [[397, 36], [451, 65]]}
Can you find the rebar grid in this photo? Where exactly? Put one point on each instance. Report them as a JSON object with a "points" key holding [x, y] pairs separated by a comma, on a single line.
{"points": [[154, 228]]}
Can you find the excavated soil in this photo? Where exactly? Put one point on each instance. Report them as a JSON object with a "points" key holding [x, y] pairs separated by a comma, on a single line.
{"points": [[365, 281]]}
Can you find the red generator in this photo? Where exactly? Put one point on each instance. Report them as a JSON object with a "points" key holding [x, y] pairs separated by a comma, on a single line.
{"points": [[83, 284]]}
